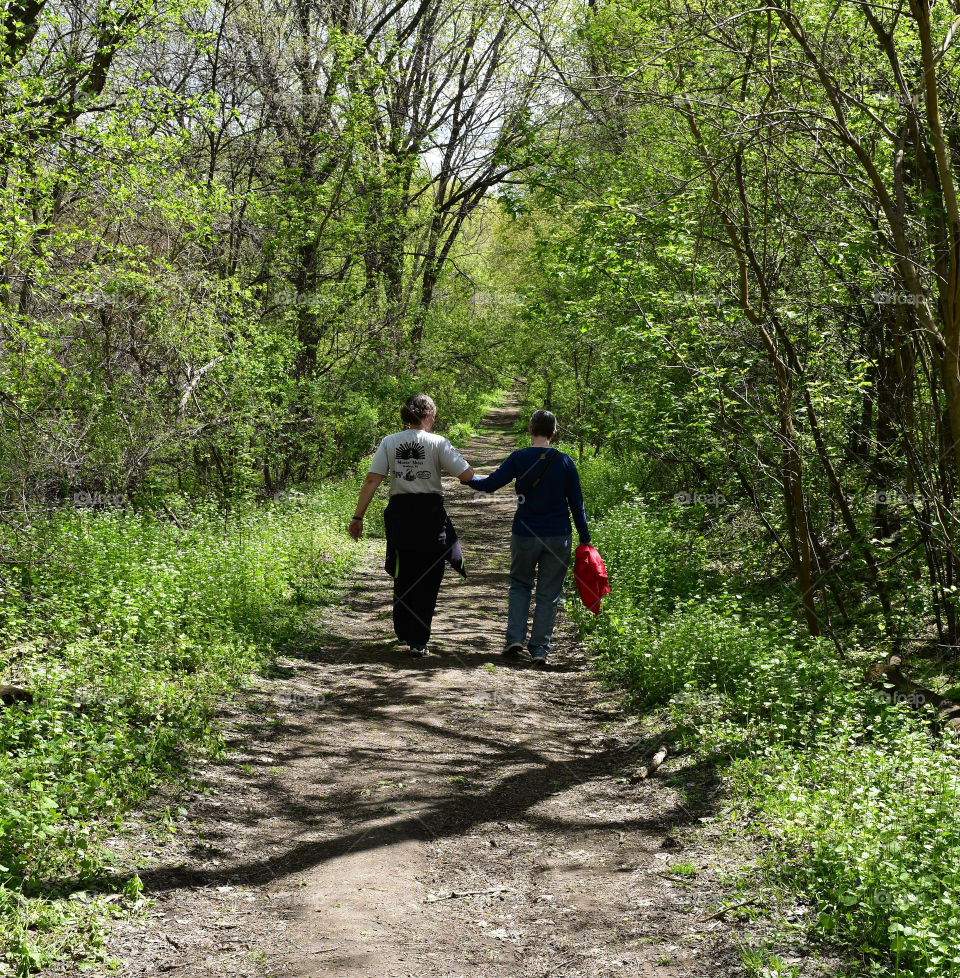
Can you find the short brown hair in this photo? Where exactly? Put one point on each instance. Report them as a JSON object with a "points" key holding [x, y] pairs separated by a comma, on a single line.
{"points": [[543, 424], [416, 408]]}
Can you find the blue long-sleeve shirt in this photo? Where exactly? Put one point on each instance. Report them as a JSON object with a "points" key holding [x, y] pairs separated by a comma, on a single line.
{"points": [[543, 511]]}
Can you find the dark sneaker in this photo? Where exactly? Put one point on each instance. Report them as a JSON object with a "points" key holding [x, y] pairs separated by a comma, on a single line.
{"points": [[513, 651], [418, 651], [539, 662]]}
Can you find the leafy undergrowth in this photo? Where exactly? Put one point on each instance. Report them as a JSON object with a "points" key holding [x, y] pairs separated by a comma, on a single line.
{"points": [[461, 432], [857, 798], [128, 628]]}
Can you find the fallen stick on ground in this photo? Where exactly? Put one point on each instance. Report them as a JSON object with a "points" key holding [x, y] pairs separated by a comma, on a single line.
{"points": [[647, 769], [733, 906], [458, 894], [886, 673], [557, 967], [14, 694]]}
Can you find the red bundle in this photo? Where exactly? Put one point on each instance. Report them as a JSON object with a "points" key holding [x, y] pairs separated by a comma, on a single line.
{"points": [[591, 576]]}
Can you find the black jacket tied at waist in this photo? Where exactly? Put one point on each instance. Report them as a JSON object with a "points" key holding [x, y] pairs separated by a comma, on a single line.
{"points": [[418, 521]]}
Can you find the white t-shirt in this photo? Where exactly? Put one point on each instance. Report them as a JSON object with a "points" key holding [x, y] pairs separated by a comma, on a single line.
{"points": [[414, 459]]}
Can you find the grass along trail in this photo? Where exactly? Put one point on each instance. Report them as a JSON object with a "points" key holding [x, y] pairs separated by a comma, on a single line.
{"points": [[381, 816]]}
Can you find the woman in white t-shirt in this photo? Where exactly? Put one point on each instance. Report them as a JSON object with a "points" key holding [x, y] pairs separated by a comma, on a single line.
{"points": [[420, 536]]}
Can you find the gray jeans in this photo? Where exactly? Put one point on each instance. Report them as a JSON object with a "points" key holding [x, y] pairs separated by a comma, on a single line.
{"points": [[541, 563]]}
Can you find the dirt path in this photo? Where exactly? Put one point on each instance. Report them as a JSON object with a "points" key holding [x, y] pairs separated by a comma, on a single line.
{"points": [[380, 816]]}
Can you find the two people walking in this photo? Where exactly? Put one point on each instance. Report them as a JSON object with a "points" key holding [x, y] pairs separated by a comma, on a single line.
{"points": [[421, 540]]}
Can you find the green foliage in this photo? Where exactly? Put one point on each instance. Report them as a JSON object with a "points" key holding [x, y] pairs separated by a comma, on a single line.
{"points": [[606, 478], [854, 799], [217, 274], [658, 563], [713, 285], [134, 627]]}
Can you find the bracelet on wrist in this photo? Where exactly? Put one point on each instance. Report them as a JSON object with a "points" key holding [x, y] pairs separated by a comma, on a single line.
{"points": [[360, 518]]}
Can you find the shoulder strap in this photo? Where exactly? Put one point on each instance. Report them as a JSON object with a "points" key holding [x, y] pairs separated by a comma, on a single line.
{"points": [[543, 471]]}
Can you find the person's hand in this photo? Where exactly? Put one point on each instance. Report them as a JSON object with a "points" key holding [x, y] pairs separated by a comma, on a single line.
{"points": [[355, 529]]}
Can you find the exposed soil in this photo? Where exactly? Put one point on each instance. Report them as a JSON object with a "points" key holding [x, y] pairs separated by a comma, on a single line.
{"points": [[382, 816]]}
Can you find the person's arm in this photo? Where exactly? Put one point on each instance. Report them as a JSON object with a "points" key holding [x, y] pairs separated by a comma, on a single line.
{"points": [[379, 467], [575, 502], [497, 479], [369, 487], [452, 462]]}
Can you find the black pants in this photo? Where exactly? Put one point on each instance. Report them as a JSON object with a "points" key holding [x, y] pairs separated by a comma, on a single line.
{"points": [[416, 584]]}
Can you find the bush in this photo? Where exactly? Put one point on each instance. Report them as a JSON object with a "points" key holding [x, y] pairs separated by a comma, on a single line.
{"points": [[607, 481], [701, 643]]}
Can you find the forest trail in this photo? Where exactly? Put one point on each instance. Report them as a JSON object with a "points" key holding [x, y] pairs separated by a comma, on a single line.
{"points": [[384, 817]]}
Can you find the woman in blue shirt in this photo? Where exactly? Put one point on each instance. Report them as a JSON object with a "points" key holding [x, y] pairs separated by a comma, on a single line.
{"points": [[548, 491]]}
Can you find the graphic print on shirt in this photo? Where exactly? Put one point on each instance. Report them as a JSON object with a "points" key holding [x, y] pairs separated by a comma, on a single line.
{"points": [[409, 458], [410, 450]]}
